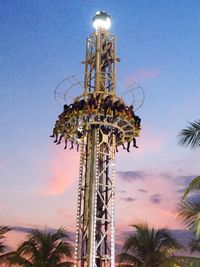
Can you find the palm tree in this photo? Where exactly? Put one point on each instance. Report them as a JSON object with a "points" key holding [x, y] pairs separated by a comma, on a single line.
{"points": [[190, 137], [3, 255], [44, 249], [193, 186], [148, 247], [188, 211]]}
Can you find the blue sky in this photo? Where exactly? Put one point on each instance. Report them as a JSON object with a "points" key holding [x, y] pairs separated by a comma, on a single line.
{"points": [[42, 43]]}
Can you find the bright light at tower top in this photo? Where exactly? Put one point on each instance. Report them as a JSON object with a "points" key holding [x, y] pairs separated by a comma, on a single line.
{"points": [[101, 20]]}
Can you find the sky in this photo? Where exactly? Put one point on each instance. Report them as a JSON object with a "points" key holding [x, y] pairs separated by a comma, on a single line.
{"points": [[42, 43]]}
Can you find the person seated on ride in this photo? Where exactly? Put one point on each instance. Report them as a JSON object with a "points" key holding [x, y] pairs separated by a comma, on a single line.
{"points": [[74, 106], [60, 139], [91, 104], [134, 144], [119, 137], [65, 111], [107, 105], [115, 105], [81, 106], [65, 147], [137, 121], [99, 100], [55, 129], [110, 104], [121, 109], [64, 133], [78, 136], [71, 136], [65, 108], [130, 113]]}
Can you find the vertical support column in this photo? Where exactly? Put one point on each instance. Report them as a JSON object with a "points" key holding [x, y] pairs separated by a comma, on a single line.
{"points": [[114, 66], [86, 69], [93, 197], [95, 233], [78, 216], [113, 201], [98, 60]]}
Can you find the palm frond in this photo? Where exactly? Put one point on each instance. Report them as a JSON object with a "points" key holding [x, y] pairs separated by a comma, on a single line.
{"points": [[126, 258], [194, 185], [16, 259], [190, 136], [60, 234], [195, 245], [62, 251], [186, 261], [166, 242], [188, 211], [147, 246], [3, 231], [44, 248]]}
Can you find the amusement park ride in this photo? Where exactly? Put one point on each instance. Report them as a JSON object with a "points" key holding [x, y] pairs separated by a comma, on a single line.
{"points": [[99, 122]]}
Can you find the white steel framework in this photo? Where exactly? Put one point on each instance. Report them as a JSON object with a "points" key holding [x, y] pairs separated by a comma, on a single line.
{"points": [[95, 212], [99, 121]]}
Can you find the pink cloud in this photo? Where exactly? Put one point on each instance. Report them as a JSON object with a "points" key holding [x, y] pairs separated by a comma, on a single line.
{"points": [[64, 166], [14, 239], [149, 141], [160, 214], [141, 75]]}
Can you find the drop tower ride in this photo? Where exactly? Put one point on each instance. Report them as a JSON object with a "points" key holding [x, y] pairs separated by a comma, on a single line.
{"points": [[98, 121]]}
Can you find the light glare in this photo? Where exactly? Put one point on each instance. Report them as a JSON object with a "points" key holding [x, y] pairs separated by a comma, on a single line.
{"points": [[101, 23], [101, 20]]}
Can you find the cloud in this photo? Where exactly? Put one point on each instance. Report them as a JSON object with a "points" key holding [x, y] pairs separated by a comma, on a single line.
{"points": [[22, 229], [183, 236], [184, 180], [28, 230], [121, 191], [155, 199], [141, 75], [142, 190], [165, 175], [128, 199], [130, 176], [64, 167], [180, 191], [150, 141]]}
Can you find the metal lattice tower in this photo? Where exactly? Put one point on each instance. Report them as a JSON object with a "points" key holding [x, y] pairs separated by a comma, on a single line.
{"points": [[99, 133]]}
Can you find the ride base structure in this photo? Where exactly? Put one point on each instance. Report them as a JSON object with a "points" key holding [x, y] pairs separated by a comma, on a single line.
{"points": [[98, 121]]}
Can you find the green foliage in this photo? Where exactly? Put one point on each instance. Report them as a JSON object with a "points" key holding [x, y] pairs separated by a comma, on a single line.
{"points": [[194, 185], [43, 249], [190, 136], [3, 231], [147, 247], [181, 261], [188, 211]]}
